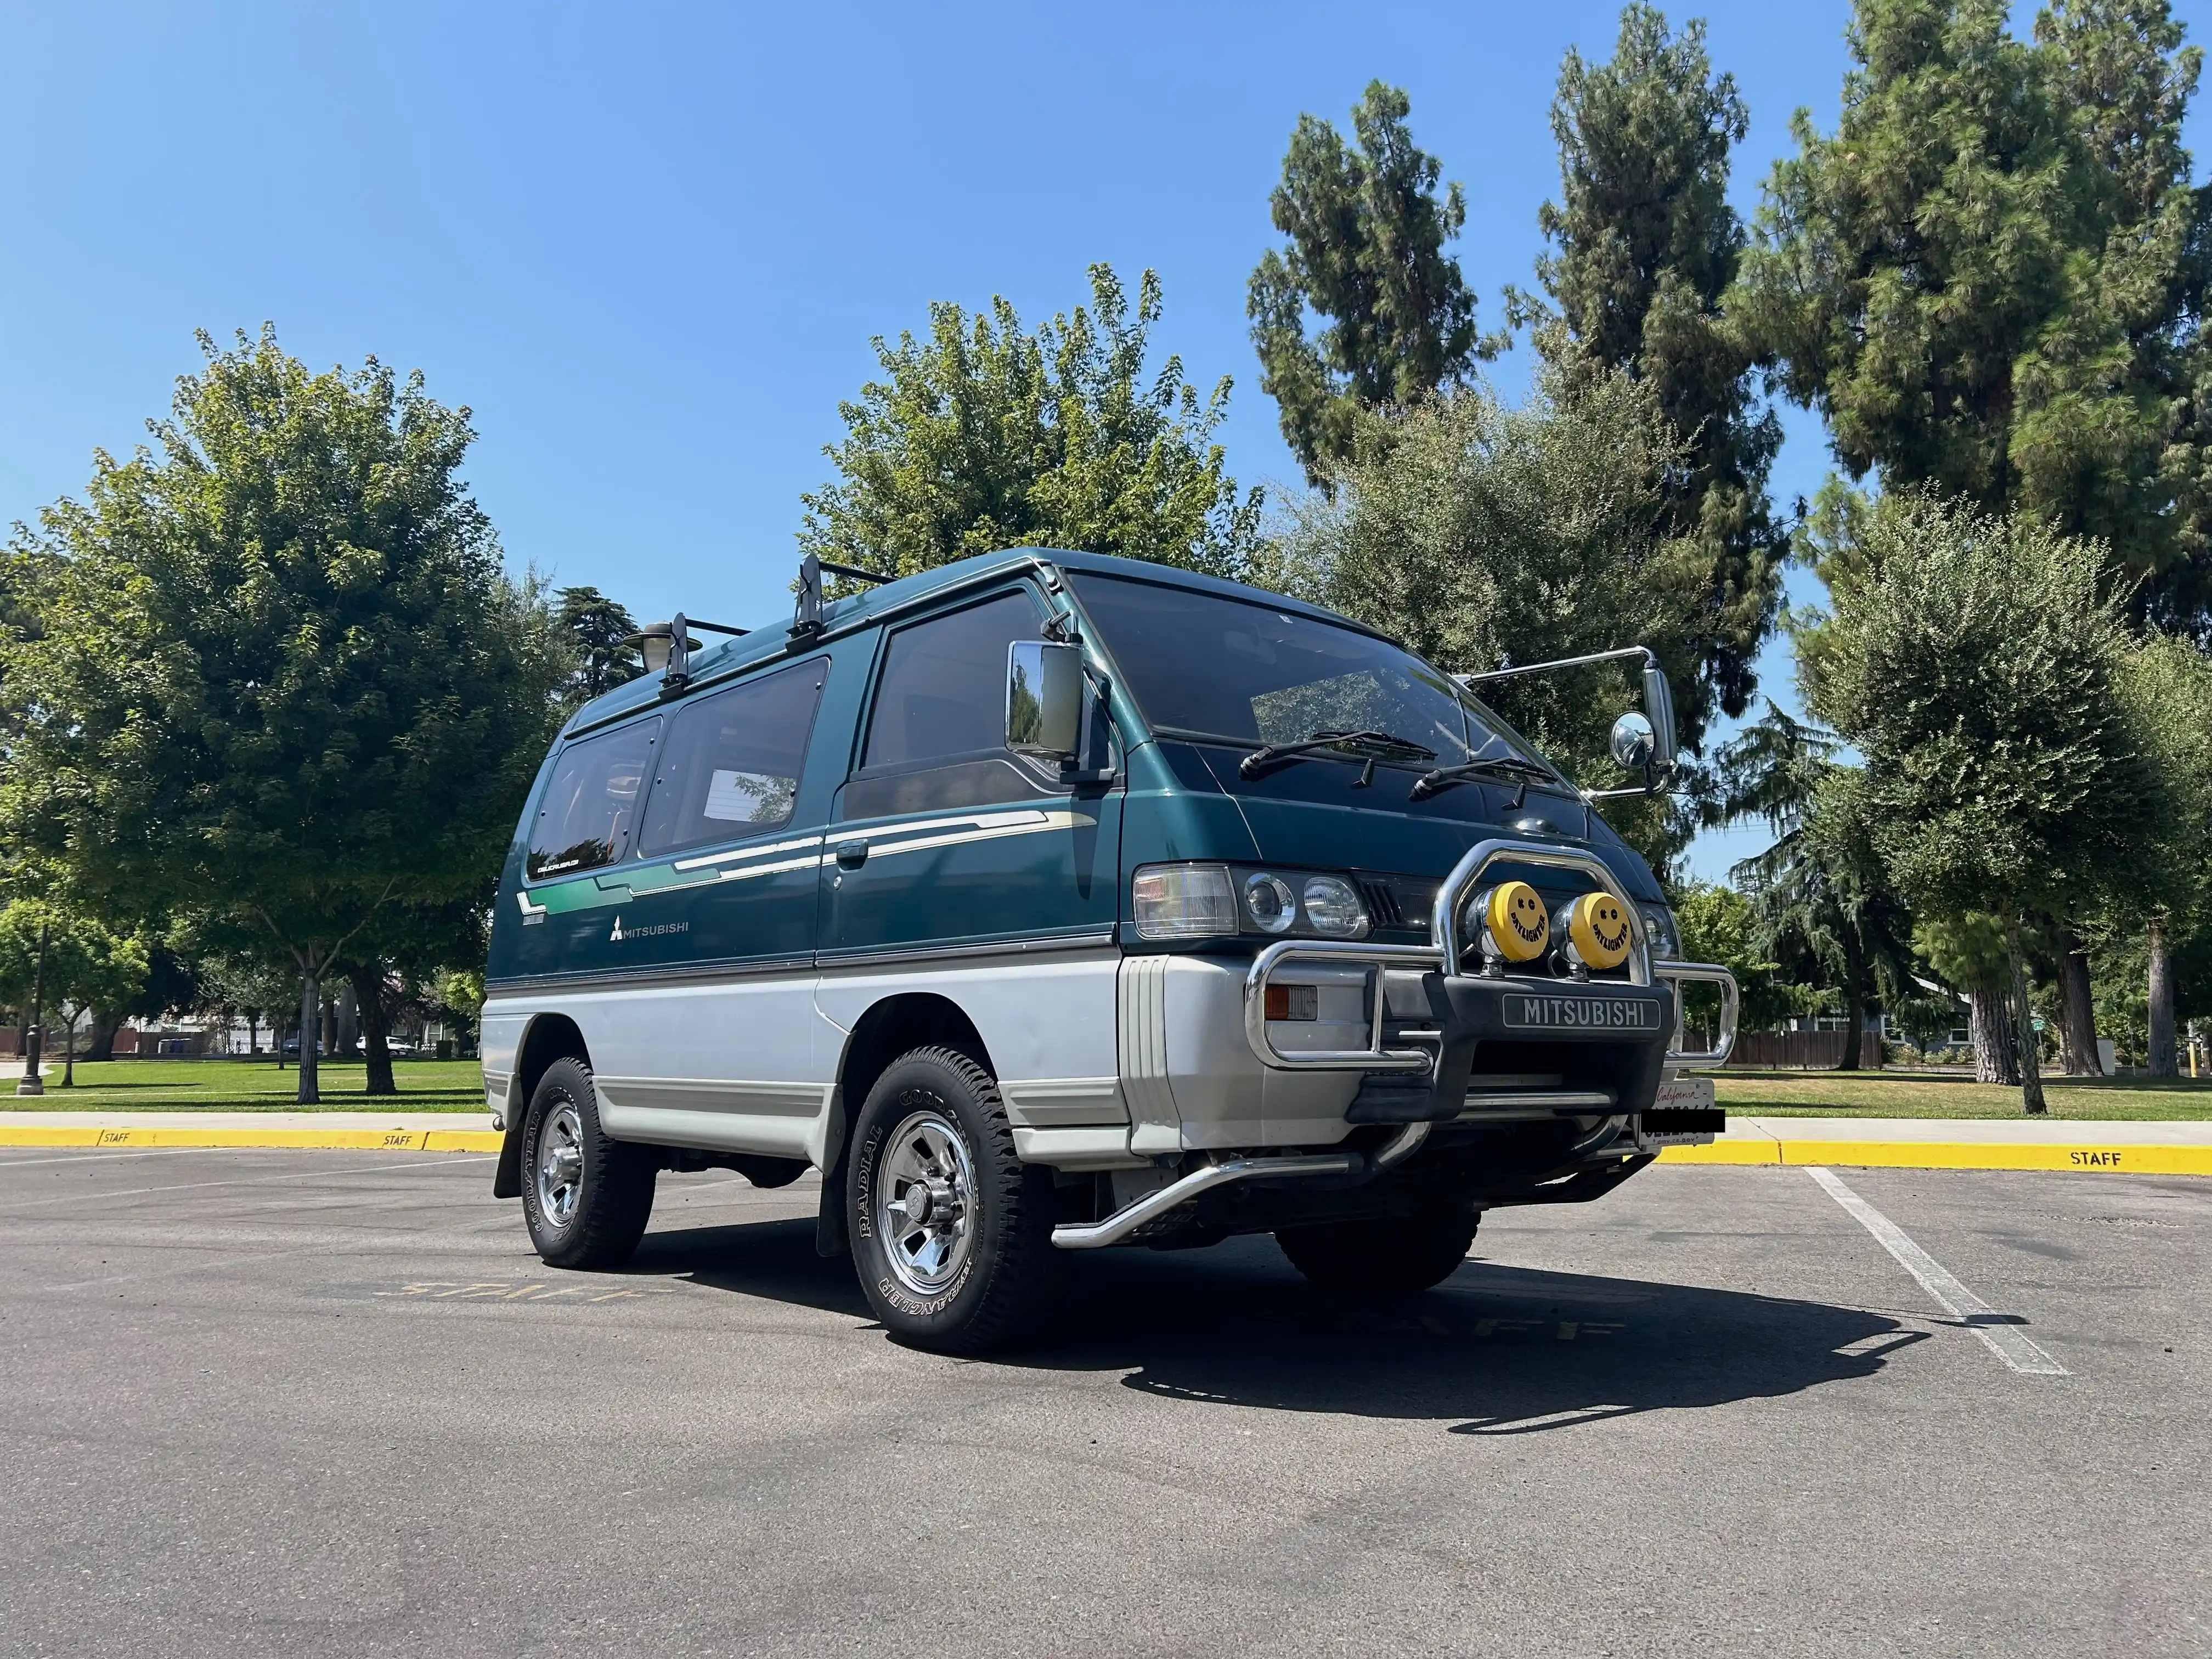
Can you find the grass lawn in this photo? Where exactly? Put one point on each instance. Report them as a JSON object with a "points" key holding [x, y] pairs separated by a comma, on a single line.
{"points": [[1928, 1094], [249, 1086]]}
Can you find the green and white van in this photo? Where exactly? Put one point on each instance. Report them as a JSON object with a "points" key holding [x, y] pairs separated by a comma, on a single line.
{"points": [[1048, 902]]}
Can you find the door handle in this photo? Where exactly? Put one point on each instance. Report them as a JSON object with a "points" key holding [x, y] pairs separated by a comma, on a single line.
{"points": [[851, 854]]}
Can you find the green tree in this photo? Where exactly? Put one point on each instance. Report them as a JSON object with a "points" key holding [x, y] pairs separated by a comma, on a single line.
{"points": [[1478, 531], [404, 949], [1976, 663], [986, 436], [1824, 914], [1968, 951], [2168, 692], [598, 631], [1990, 278], [86, 966], [1720, 925], [282, 678], [1366, 255], [1646, 245]]}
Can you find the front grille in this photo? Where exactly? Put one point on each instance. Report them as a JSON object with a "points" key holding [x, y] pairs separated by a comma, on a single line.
{"points": [[1382, 903]]}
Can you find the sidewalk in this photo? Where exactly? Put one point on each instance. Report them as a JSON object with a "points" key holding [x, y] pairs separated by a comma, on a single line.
{"points": [[2160, 1148]]}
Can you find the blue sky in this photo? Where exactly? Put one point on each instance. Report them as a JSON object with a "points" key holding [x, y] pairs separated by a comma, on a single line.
{"points": [[647, 245]]}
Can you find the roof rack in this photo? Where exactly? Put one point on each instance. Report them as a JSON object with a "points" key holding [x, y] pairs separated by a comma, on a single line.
{"points": [[806, 614]]}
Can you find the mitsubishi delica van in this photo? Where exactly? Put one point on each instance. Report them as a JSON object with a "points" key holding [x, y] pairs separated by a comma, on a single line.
{"points": [[1048, 902]]}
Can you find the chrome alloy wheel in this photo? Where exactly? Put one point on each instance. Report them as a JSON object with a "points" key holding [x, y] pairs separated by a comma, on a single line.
{"points": [[560, 1166], [925, 1202]]}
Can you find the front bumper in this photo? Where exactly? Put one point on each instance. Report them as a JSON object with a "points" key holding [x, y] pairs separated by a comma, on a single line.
{"points": [[1435, 1042]]}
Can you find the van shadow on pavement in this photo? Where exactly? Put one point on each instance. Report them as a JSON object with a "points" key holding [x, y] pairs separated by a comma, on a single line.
{"points": [[1495, 1350]]}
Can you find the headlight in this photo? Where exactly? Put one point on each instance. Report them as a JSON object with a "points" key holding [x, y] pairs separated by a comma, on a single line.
{"points": [[1333, 909], [1659, 927], [1268, 900], [1184, 901], [1219, 901]]}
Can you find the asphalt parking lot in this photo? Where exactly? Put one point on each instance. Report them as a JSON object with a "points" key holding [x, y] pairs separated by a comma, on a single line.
{"points": [[315, 1403]]}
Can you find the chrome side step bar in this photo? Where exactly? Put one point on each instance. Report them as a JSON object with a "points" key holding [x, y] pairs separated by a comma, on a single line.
{"points": [[1096, 1234]]}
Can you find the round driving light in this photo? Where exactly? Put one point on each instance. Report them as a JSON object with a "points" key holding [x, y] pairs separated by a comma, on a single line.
{"points": [[1333, 909], [1270, 903], [1513, 921], [1596, 927]]}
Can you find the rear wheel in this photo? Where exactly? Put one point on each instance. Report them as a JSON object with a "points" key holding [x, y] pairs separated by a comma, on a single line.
{"points": [[950, 1229], [1399, 1257], [585, 1197]]}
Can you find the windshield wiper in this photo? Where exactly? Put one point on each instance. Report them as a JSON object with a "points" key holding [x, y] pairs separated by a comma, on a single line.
{"points": [[1366, 743], [1501, 767]]}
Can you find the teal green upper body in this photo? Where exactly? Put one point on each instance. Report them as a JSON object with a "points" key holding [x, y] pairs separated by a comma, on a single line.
{"points": [[868, 862]]}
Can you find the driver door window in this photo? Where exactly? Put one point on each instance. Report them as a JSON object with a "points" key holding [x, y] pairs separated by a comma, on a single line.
{"points": [[937, 733]]}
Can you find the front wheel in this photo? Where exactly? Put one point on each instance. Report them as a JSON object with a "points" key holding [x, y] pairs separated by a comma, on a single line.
{"points": [[1402, 1256], [950, 1230], [585, 1197]]}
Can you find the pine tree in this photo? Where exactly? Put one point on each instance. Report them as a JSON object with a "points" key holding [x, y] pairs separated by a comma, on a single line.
{"points": [[1366, 254], [1646, 246], [1992, 277]]}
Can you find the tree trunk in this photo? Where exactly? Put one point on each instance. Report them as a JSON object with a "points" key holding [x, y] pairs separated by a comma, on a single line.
{"points": [[329, 1027], [1990, 1025], [68, 1052], [99, 1043], [349, 1021], [311, 1007], [2163, 1060], [253, 1033], [2030, 1072], [2077, 1030], [366, 985], [1854, 1029]]}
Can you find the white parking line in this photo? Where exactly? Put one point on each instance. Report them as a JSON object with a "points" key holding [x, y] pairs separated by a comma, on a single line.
{"points": [[417, 1162], [109, 1157], [2005, 1340]]}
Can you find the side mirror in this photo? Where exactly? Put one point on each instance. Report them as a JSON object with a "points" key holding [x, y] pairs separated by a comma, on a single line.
{"points": [[1633, 742], [1659, 705], [1045, 699]]}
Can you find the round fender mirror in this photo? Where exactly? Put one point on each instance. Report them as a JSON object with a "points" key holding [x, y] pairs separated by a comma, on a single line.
{"points": [[1634, 741]]}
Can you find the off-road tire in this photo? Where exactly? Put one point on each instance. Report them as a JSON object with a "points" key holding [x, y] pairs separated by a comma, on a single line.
{"points": [[613, 1197], [995, 1285], [1374, 1259]]}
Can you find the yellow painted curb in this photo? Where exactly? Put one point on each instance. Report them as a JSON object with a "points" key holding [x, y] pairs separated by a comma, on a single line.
{"points": [[382, 1141], [1723, 1151], [1953, 1155]]}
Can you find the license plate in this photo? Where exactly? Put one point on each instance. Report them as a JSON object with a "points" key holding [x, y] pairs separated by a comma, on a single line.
{"points": [[1535, 1012], [1681, 1112]]}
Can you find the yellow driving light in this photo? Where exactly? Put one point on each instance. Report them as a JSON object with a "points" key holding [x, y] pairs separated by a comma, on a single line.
{"points": [[1596, 927], [1514, 925]]}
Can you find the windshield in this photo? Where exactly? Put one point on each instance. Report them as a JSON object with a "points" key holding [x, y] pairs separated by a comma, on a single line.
{"points": [[1201, 665]]}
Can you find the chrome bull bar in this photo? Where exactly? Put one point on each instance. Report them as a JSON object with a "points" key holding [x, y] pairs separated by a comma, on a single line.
{"points": [[1678, 974], [1441, 957]]}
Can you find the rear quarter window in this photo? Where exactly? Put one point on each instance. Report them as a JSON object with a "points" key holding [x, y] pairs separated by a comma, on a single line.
{"points": [[588, 813], [732, 764]]}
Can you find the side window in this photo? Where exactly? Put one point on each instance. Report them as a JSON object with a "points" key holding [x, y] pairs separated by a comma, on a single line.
{"points": [[937, 732], [589, 812], [730, 765]]}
